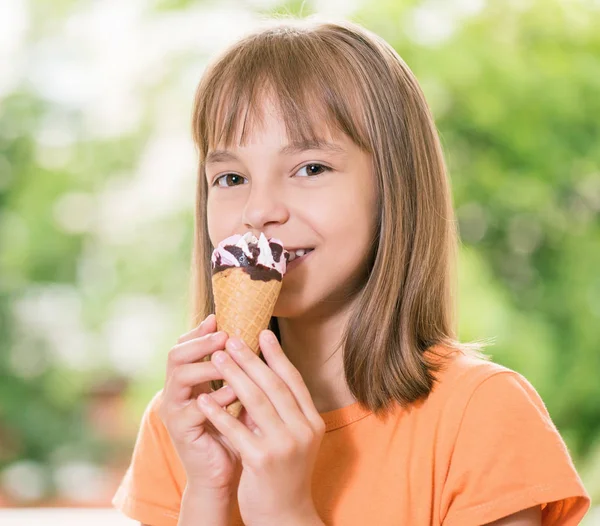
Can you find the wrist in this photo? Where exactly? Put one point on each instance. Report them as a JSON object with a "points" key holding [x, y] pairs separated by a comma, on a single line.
{"points": [[309, 517], [196, 490], [202, 506]]}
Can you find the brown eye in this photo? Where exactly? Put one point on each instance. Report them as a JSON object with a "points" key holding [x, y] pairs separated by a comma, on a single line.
{"points": [[314, 169], [230, 180]]}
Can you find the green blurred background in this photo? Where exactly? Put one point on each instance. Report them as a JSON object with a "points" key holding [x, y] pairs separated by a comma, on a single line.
{"points": [[97, 193]]}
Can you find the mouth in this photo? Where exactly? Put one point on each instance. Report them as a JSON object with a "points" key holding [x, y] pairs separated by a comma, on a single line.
{"points": [[295, 257]]}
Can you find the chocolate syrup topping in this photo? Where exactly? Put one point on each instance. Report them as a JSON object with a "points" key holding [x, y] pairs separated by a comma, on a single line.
{"points": [[240, 255], [276, 250], [250, 264], [254, 250], [256, 273]]}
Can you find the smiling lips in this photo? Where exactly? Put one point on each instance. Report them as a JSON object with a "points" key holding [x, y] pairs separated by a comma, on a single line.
{"points": [[291, 255]]}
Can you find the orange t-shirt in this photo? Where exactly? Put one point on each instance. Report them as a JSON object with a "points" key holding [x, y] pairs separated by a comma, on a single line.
{"points": [[480, 447]]}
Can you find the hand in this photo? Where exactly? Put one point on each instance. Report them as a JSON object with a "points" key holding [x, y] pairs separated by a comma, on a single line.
{"points": [[278, 451], [209, 461]]}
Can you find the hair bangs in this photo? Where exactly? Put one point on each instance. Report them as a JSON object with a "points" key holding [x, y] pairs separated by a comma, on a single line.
{"points": [[308, 81]]}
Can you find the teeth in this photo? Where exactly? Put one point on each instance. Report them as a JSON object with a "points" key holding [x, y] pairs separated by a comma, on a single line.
{"points": [[298, 253]]}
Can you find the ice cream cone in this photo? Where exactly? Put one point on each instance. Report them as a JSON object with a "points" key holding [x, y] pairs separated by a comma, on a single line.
{"points": [[243, 308], [247, 275]]}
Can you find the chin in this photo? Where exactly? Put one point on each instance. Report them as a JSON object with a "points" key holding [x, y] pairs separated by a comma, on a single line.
{"points": [[296, 306]]}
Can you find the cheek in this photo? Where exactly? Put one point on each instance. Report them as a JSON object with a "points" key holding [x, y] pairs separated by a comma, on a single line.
{"points": [[351, 224], [346, 211], [221, 220]]}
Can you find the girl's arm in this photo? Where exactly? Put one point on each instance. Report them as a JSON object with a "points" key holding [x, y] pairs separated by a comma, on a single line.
{"points": [[528, 517], [204, 508]]}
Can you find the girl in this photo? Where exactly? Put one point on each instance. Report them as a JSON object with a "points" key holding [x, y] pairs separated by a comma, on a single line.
{"points": [[368, 411]]}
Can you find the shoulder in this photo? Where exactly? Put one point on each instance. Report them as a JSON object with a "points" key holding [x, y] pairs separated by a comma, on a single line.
{"points": [[153, 426], [151, 489], [462, 376], [502, 450], [152, 434], [153, 445], [472, 394], [462, 365], [460, 379], [152, 411]]}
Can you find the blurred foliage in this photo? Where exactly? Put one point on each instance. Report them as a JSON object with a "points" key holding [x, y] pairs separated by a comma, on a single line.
{"points": [[514, 87]]}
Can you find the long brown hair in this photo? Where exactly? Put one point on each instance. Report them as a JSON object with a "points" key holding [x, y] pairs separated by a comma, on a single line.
{"points": [[348, 77]]}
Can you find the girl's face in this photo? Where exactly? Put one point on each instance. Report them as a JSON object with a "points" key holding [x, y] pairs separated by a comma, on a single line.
{"points": [[308, 196]]}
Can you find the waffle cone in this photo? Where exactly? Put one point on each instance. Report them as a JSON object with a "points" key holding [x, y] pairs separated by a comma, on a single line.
{"points": [[243, 308]]}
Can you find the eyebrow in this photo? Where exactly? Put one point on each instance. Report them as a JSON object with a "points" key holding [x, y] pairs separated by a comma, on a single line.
{"points": [[218, 156]]}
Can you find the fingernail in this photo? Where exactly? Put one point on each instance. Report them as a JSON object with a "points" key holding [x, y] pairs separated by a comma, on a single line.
{"points": [[216, 335], [236, 344], [269, 337], [219, 357]]}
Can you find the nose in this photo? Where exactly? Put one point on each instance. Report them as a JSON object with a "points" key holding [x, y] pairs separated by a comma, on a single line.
{"points": [[264, 206]]}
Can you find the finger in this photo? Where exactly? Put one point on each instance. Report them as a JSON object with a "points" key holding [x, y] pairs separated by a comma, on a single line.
{"points": [[185, 378], [253, 398], [195, 350], [186, 421], [208, 325], [241, 438], [223, 396], [268, 381], [281, 365]]}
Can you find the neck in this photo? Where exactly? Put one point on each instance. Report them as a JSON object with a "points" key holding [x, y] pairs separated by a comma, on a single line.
{"points": [[313, 345]]}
